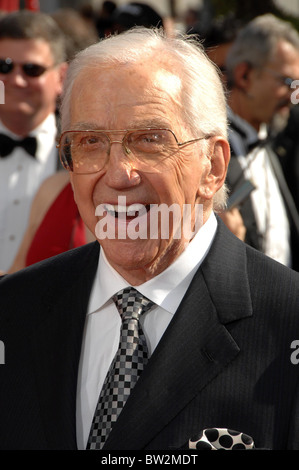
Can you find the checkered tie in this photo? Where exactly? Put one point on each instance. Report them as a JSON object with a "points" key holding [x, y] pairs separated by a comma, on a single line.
{"points": [[130, 359]]}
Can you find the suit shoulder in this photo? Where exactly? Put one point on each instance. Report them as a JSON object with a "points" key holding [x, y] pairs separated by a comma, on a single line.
{"points": [[257, 259], [30, 296], [41, 276], [272, 278]]}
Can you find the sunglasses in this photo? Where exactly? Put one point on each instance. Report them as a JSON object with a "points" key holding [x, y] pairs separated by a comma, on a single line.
{"points": [[30, 69]]}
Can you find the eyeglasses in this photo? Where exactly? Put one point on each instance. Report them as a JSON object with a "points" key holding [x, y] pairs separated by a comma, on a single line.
{"points": [[284, 80], [30, 69], [148, 150]]}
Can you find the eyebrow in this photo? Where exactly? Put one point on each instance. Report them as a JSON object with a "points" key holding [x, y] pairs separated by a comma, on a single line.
{"points": [[147, 123], [155, 123], [84, 126]]}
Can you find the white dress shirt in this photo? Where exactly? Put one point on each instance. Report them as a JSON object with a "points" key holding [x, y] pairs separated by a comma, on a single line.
{"points": [[102, 328], [269, 208], [20, 177]]}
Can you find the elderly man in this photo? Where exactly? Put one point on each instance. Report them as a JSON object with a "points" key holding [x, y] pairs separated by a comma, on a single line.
{"points": [[261, 66], [32, 70], [154, 334]]}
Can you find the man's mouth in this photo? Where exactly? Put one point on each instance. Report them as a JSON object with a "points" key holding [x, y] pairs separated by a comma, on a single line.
{"points": [[125, 212], [284, 104]]}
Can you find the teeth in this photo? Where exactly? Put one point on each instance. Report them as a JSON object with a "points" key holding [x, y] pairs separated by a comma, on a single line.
{"points": [[136, 208], [109, 207], [130, 211]]}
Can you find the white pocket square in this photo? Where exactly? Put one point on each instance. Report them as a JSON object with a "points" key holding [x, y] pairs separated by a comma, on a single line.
{"points": [[221, 439]]}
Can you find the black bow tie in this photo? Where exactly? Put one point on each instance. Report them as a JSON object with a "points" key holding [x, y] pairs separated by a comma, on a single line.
{"points": [[258, 143], [7, 144]]}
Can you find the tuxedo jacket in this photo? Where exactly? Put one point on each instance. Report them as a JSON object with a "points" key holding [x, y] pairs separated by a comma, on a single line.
{"points": [[226, 360]]}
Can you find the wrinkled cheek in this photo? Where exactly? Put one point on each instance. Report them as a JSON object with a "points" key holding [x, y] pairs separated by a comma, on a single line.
{"points": [[83, 196]]}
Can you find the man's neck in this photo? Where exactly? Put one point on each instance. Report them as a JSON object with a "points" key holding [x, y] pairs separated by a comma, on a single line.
{"points": [[240, 105], [20, 124]]}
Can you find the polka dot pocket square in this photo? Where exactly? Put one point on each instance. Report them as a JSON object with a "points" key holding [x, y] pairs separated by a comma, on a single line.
{"points": [[221, 439]]}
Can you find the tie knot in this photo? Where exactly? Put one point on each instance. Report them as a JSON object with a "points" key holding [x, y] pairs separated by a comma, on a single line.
{"points": [[131, 304]]}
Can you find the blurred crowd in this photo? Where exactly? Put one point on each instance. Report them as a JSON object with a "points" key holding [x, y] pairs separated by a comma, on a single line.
{"points": [[258, 59]]}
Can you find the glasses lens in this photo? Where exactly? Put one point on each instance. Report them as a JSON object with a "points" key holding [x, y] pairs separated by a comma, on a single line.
{"points": [[6, 65], [84, 152], [155, 150], [34, 70], [152, 148], [65, 152]]}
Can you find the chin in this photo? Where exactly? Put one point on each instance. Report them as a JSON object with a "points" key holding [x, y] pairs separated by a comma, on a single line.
{"points": [[129, 253], [280, 120], [145, 258], [22, 109]]}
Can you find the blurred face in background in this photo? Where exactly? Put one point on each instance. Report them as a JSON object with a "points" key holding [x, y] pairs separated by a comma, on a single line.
{"points": [[268, 89], [29, 97]]}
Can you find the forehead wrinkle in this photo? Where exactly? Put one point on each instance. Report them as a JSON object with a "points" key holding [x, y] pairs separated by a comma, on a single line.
{"points": [[151, 108]]}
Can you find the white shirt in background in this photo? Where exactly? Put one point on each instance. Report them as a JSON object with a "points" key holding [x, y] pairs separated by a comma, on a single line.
{"points": [[20, 177]]}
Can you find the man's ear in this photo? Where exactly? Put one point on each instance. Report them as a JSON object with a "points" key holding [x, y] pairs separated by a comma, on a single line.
{"points": [[242, 76], [62, 70], [215, 175]]}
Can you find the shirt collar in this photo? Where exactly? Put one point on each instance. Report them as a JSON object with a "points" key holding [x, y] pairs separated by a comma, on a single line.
{"points": [[159, 289]]}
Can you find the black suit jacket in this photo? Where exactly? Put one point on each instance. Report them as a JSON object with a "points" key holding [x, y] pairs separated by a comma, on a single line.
{"points": [[224, 360]]}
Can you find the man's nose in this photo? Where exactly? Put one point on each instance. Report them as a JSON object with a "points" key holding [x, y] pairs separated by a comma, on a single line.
{"points": [[120, 170], [18, 77]]}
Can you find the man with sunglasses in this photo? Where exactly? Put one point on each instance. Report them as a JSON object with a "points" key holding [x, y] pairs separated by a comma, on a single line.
{"points": [[149, 338], [262, 65], [32, 68]]}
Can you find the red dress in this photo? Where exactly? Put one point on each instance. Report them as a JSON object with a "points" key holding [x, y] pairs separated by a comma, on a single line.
{"points": [[60, 230]]}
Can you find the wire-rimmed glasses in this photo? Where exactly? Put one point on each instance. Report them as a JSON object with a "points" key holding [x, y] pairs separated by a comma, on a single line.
{"points": [[148, 150]]}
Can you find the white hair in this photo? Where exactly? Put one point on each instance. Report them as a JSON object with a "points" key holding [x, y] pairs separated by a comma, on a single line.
{"points": [[203, 102]]}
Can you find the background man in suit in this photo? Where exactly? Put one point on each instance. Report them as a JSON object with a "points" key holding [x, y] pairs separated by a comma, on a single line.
{"points": [[139, 132], [32, 68], [260, 67]]}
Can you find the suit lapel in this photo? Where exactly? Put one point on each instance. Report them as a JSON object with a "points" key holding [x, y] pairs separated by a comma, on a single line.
{"points": [[225, 272], [195, 348]]}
